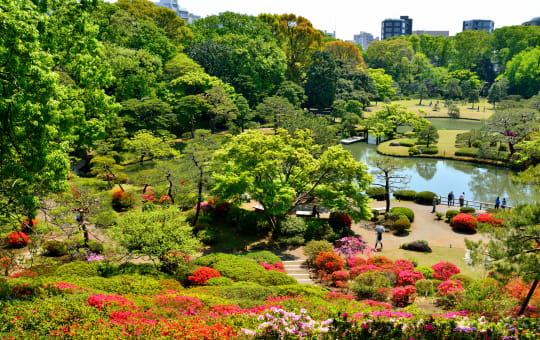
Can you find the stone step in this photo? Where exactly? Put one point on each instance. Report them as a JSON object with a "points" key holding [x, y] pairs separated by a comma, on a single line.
{"points": [[298, 274], [298, 271], [305, 281], [296, 266], [293, 261]]}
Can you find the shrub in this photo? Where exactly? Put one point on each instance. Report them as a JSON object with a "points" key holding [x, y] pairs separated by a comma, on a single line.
{"points": [[402, 225], [426, 271], [285, 241], [465, 280], [77, 269], [489, 219], [340, 276], [262, 256], [292, 226], [404, 211], [208, 235], [328, 262], [413, 150], [105, 218], [313, 248], [371, 285], [203, 274], [464, 222], [55, 248], [432, 150], [424, 287], [351, 246], [468, 152], [16, 239], [95, 247], [361, 269], [235, 267], [276, 278], [172, 259], [376, 193], [403, 296], [467, 210], [407, 142], [219, 281], [183, 272], [405, 195], [409, 277], [450, 214], [354, 261], [375, 214], [402, 265], [122, 201], [484, 296], [317, 229], [339, 220], [439, 215], [380, 261], [449, 293], [276, 266], [444, 270], [425, 197]]}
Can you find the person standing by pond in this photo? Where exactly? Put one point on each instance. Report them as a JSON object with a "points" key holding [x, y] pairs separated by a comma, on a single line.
{"points": [[450, 198], [434, 204], [503, 204], [497, 202], [462, 199]]}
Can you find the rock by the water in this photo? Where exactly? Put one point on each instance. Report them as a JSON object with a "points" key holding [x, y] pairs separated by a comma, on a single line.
{"points": [[417, 246]]}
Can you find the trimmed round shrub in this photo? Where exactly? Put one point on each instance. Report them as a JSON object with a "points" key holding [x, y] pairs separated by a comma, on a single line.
{"points": [[444, 270], [262, 256], [55, 248], [402, 265], [16, 239], [328, 262], [432, 150], [426, 271], [235, 267], [465, 280], [405, 195], [402, 225], [450, 214], [464, 222], [424, 287], [404, 211], [275, 278], [376, 193], [292, 226], [409, 277], [403, 296], [313, 248], [413, 150], [371, 285], [467, 210], [77, 269], [425, 197], [203, 274]]}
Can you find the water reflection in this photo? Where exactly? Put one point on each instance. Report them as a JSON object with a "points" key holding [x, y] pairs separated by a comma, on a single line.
{"points": [[479, 182]]}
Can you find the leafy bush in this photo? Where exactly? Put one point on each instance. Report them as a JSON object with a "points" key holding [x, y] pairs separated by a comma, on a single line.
{"points": [[317, 229], [407, 142], [409, 277], [290, 241], [402, 225], [203, 274], [292, 226], [464, 222], [449, 293], [375, 215], [450, 214], [403, 296], [77, 269], [405, 195], [339, 220], [172, 259], [328, 262], [371, 285], [351, 246], [444, 270], [262, 256], [484, 296], [276, 266], [128, 268], [425, 197], [219, 281], [95, 247], [313, 248], [413, 150], [432, 150], [426, 271], [424, 287], [184, 271], [489, 219], [467, 210], [276, 278], [376, 193], [208, 235], [55, 248], [235, 267], [439, 215], [467, 152], [122, 201], [404, 211], [105, 218], [246, 222], [465, 280], [16, 239]]}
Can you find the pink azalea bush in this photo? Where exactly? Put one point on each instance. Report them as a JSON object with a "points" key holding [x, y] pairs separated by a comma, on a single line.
{"points": [[403, 296], [444, 270], [409, 277], [352, 245], [276, 266]]}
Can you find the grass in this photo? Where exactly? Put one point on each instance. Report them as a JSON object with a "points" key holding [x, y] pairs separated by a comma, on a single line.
{"points": [[439, 254], [446, 146], [486, 109]]}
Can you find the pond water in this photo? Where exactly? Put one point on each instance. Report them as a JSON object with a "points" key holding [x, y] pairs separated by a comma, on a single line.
{"points": [[479, 182]]}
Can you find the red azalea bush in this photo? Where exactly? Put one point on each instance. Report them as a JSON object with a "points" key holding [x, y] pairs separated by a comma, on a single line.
{"points": [[464, 222], [409, 277], [354, 261], [339, 220], [328, 262], [489, 219], [379, 260], [24, 273], [519, 289], [403, 296], [17, 239], [121, 201], [276, 266], [28, 225], [103, 300], [355, 271], [402, 265], [340, 275], [444, 270], [148, 196], [172, 259], [203, 274], [449, 293]]}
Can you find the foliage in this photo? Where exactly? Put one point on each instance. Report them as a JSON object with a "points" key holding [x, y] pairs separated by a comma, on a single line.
{"points": [[409, 277], [405, 195], [276, 278], [450, 214], [430, 151], [444, 270], [312, 249], [404, 211], [425, 197], [262, 256], [371, 285], [172, 259], [352, 246], [464, 222], [339, 220], [328, 262], [401, 225], [321, 80], [203, 274], [426, 271], [77, 269], [55, 248], [376, 193], [237, 268], [403, 296], [16, 239], [465, 280], [121, 200], [522, 73], [219, 281], [449, 293], [467, 210], [424, 287], [489, 219], [428, 135]]}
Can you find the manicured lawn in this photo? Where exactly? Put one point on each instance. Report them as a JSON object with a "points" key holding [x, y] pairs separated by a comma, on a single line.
{"points": [[464, 108], [445, 254], [446, 145]]}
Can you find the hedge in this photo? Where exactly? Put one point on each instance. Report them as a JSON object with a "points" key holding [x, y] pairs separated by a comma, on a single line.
{"points": [[466, 152], [432, 150], [376, 193], [425, 197], [405, 195], [404, 211]]}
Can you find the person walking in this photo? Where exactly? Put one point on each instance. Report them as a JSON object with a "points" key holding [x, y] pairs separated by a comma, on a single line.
{"points": [[497, 202], [380, 230], [434, 204], [450, 198], [462, 199], [316, 211], [503, 204]]}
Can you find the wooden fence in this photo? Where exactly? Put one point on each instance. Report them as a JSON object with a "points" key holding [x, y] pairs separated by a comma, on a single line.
{"points": [[468, 203]]}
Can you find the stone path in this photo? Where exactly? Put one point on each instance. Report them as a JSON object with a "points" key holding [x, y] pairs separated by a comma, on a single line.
{"points": [[298, 270]]}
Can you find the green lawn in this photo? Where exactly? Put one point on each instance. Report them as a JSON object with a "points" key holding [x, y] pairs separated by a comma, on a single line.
{"points": [[454, 255], [446, 146]]}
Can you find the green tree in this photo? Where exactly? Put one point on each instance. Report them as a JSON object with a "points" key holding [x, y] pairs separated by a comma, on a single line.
{"points": [[386, 122], [281, 170], [275, 109], [474, 97], [497, 91], [338, 109], [245, 114], [221, 107], [452, 89], [383, 82], [106, 168], [523, 73], [148, 113], [190, 110], [354, 106], [509, 41], [346, 52], [387, 169], [422, 92], [145, 144], [294, 93], [470, 49], [321, 80], [428, 135], [390, 55]]}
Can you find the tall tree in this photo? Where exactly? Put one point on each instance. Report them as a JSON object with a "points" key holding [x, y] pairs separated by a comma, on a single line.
{"points": [[428, 135], [387, 169], [294, 93], [275, 109], [523, 73], [280, 171], [321, 80], [145, 144], [390, 55], [383, 82], [346, 52]]}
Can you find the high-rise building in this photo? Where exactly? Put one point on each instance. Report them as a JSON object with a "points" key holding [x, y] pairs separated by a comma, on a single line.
{"points": [[364, 39], [478, 25], [330, 34], [432, 33], [396, 27], [183, 13], [532, 22]]}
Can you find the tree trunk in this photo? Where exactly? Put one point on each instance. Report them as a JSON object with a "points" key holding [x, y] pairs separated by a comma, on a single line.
{"points": [[528, 298], [192, 121], [420, 103], [144, 189], [169, 192], [511, 148], [387, 191], [141, 160], [199, 198]]}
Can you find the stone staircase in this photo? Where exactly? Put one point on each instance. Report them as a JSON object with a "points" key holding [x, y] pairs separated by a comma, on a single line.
{"points": [[299, 270]]}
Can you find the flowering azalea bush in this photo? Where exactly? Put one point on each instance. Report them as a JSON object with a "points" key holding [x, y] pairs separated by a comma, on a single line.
{"points": [[16, 239], [328, 262], [516, 288], [464, 222], [340, 277], [121, 201], [148, 196], [409, 277], [354, 261], [403, 296], [444, 270], [352, 245], [203, 274], [402, 265], [24, 273], [379, 260], [276, 266], [489, 219], [172, 259], [101, 301], [355, 271], [339, 220], [449, 293]]}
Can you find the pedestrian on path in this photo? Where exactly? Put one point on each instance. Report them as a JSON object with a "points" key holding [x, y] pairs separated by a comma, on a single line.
{"points": [[451, 198], [462, 199], [380, 230], [434, 204], [503, 204], [316, 211], [497, 202]]}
